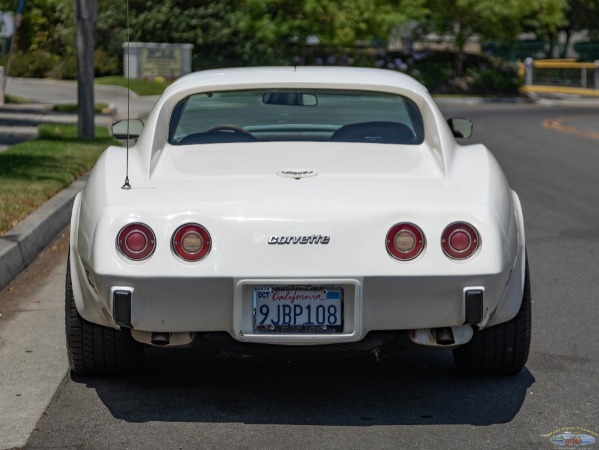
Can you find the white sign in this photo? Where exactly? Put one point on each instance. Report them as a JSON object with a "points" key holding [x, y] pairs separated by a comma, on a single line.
{"points": [[7, 24]]}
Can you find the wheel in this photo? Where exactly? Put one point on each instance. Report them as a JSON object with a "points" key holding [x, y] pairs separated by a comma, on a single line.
{"points": [[501, 349], [94, 349]]}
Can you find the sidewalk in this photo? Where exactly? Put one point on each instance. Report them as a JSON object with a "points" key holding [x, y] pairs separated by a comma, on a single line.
{"points": [[19, 122], [57, 92]]}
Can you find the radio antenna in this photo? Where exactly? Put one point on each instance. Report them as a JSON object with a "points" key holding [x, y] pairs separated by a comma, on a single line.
{"points": [[127, 185]]}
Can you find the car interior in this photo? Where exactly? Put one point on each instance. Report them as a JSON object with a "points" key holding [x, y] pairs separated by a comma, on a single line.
{"points": [[292, 115]]}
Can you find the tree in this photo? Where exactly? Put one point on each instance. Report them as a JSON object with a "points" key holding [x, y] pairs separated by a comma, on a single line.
{"points": [[40, 22], [223, 32], [336, 24], [581, 15], [489, 19]]}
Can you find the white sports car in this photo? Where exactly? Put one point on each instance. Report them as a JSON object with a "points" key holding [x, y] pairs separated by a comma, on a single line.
{"points": [[297, 207]]}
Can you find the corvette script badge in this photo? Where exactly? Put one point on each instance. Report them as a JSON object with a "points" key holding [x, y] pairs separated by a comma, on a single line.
{"points": [[302, 240]]}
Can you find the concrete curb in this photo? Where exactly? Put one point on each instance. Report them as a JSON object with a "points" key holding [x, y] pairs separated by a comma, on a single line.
{"points": [[21, 245]]}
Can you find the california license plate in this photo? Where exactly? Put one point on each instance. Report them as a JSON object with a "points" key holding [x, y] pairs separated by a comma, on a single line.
{"points": [[298, 309]]}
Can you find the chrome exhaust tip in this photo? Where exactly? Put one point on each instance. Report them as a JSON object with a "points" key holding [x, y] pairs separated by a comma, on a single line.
{"points": [[160, 339], [444, 336]]}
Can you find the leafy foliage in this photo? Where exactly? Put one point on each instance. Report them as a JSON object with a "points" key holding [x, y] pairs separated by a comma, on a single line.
{"points": [[492, 20], [265, 32], [583, 15], [224, 32], [499, 79]]}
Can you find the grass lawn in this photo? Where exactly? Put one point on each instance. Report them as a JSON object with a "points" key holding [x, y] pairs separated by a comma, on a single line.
{"points": [[140, 87], [72, 108], [32, 172]]}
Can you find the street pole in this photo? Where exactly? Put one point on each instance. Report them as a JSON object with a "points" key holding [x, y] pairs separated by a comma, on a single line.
{"points": [[85, 15], [17, 24]]}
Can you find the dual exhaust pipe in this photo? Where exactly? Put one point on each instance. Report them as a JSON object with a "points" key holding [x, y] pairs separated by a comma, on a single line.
{"points": [[160, 339], [444, 336]]}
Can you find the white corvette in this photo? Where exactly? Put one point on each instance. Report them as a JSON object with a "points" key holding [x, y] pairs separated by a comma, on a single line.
{"points": [[297, 207]]}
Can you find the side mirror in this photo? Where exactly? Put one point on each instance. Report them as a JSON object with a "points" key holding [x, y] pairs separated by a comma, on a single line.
{"points": [[127, 129], [460, 127]]}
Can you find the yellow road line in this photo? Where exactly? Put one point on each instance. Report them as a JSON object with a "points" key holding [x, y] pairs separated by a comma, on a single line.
{"points": [[561, 124]]}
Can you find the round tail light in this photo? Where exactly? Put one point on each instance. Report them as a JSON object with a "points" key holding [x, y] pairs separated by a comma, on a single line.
{"points": [[460, 240], [136, 241], [191, 242], [405, 241]]}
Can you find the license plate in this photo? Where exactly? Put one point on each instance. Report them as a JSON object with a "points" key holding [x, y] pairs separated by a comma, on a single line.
{"points": [[298, 309]]}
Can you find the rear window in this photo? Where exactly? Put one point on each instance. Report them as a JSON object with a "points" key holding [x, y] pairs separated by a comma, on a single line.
{"points": [[296, 115]]}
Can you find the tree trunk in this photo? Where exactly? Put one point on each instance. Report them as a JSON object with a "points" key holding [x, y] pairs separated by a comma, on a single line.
{"points": [[459, 62], [460, 43], [564, 53]]}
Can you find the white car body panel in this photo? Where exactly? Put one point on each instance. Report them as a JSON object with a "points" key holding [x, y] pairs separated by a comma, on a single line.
{"points": [[358, 191]]}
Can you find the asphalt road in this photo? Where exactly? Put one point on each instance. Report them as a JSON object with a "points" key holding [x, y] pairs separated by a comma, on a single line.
{"points": [[417, 400]]}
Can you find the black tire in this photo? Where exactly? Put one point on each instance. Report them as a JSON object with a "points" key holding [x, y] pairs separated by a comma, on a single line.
{"points": [[501, 349], [94, 349]]}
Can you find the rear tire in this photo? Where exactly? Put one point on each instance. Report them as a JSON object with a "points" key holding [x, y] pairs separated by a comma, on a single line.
{"points": [[94, 349], [501, 349]]}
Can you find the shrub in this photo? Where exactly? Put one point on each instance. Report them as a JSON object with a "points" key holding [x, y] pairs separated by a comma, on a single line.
{"points": [[33, 64], [433, 74], [65, 69], [499, 79], [106, 63], [42, 64]]}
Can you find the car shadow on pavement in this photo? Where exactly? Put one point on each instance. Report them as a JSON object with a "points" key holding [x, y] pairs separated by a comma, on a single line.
{"points": [[408, 388]]}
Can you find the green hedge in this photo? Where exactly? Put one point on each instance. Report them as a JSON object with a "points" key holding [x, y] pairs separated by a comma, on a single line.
{"points": [[42, 64], [436, 70]]}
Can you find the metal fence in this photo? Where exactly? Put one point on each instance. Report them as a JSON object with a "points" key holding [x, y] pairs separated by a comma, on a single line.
{"points": [[564, 76], [519, 51], [587, 51]]}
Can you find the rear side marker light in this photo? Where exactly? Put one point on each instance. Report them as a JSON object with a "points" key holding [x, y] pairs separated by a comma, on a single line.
{"points": [[136, 241], [473, 305], [460, 240], [191, 242], [121, 308], [405, 241]]}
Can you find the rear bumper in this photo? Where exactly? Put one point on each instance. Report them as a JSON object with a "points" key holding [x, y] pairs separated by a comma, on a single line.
{"points": [[373, 303]]}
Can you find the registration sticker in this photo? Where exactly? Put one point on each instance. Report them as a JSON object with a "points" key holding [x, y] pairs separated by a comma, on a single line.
{"points": [[298, 309]]}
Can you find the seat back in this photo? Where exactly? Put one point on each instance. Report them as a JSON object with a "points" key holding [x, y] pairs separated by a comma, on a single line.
{"points": [[375, 132]]}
